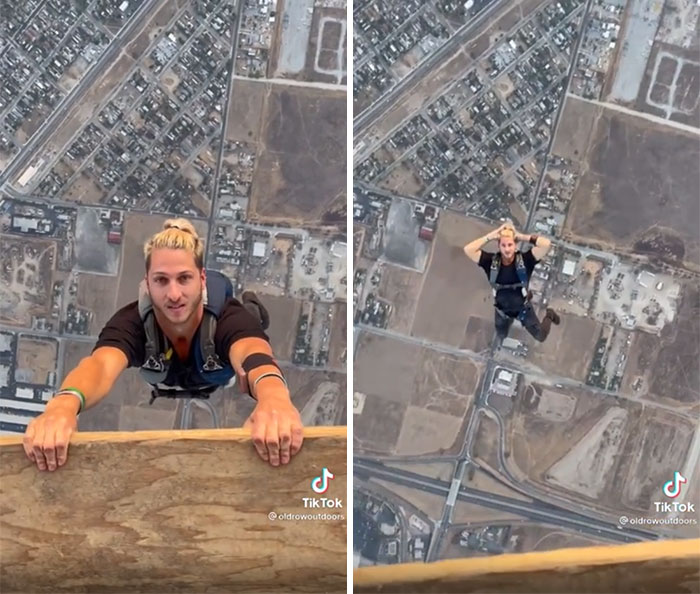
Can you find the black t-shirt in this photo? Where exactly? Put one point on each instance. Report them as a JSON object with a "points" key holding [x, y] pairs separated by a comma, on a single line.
{"points": [[510, 301], [125, 331]]}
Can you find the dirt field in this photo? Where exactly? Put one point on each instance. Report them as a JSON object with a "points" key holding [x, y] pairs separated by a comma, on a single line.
{"points": [[245, 111], [329, 41], [494, 32], [668, 363], [137, 229], [98, 294], [644, 169], [486, 443], [36, 358], [430, 395], [534, 537], [465, 513], [301, 171], [455, 288], [568, 350], [478, 334], [659, 446], [538, 444], [402, 181], [577, 125], [284, 315]]}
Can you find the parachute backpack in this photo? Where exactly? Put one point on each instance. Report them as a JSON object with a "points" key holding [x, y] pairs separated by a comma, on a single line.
{"points": [[159, 351]]}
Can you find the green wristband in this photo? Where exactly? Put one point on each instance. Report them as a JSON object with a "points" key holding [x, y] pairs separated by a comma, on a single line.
{"points": [[75, 392]]}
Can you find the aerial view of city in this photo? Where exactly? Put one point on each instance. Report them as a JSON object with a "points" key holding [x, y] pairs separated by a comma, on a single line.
{"points": [[118, 114], [578, 120]]}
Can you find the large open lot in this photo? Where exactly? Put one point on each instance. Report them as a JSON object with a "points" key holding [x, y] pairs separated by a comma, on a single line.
{"points": [[568, 350], [667, 364], [36, 359], [401, 287], [401, 245], [416, 399], [639, 191], [300, 176], [245, 110], [284, 315], [455, 288], [578, 448]]}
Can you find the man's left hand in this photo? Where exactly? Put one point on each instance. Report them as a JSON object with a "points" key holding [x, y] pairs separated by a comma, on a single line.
{"points": [[276, 428]]}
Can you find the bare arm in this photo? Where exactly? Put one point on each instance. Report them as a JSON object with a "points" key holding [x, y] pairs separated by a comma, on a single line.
{"points": [[94, 376], [275, 424], [48, 435], [473, 249], [540, 247]]}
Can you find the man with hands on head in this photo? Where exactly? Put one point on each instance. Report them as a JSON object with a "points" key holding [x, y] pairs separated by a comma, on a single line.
{"points": [[188, 336], [509, 271]]}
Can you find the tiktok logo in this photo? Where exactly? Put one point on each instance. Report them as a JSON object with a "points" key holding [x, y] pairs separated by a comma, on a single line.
{"points": [[320, 483], [673, 487]]}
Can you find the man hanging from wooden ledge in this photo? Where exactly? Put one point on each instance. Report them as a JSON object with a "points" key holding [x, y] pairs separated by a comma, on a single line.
{"points": [[188, 336]]}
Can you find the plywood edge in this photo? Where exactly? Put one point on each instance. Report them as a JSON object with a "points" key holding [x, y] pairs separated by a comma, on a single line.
{"points": [[456, 569], [241, 435]]}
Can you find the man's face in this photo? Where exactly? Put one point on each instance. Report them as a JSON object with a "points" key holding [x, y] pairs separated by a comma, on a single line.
{"points": [[506, 245], [175, 284]]}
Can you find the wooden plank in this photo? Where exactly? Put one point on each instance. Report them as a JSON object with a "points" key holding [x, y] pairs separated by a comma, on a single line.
{"points": [[172, 511], [662, 567]]}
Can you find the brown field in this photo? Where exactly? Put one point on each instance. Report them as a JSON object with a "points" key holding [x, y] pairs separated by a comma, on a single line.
{"points": [[166, 12], [300, 176], [533, 537], [536, 443], [417, 399], [85, 190], [454, 284], [486, 443], [484, 482], [245, 111], [377, 429], [658, 446], [284, 315], [329, 41], [668, 363], [98, 294], [137, 229], [478, 334], [331, 35], [401, 287], [576, 127], [465, 513], [568, 350], [629, 175], [38, 357], [339, 334], [403, 181]]}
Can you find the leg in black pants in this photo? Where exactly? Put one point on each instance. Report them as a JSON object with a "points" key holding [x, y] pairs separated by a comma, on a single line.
{"points": [[539, 330], [503, 323]]}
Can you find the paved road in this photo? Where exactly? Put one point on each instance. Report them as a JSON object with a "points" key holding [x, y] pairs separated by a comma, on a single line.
{"points": [[549, 514]]}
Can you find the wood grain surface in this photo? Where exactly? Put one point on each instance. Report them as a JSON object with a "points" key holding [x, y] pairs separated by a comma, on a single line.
{"points": [[663, 567], [171, 511]]}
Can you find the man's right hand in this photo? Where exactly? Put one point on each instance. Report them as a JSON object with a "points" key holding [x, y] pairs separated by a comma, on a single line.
{"points": [[48, 435]]}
